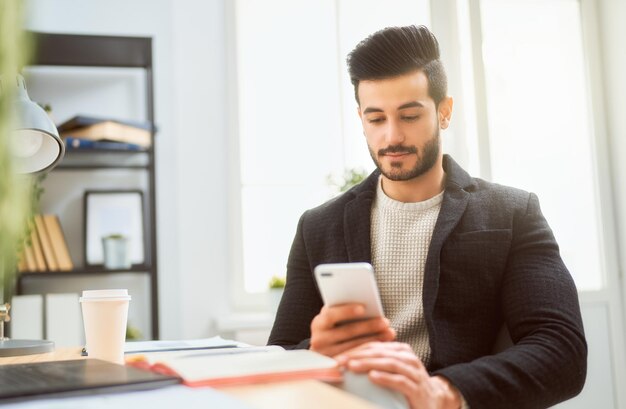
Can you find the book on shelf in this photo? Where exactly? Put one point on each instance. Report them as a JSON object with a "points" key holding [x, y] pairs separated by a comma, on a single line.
{"points": [[45, 249], [29, 257], [46, 245], [240, 366], [58, 243], [106, 129], [35, 244], [82, 144]]}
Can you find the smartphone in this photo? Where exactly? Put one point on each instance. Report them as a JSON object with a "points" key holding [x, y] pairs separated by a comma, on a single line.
{"points": [[344, 283]]}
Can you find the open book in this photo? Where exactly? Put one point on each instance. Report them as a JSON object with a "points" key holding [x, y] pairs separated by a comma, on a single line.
{"points": [[239, 366]]}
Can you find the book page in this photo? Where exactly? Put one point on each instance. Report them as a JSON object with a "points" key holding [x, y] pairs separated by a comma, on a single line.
{"points": [[246, 362]]}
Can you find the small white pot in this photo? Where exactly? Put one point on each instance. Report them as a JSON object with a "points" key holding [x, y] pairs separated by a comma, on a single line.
{"points": [[275, 294]]}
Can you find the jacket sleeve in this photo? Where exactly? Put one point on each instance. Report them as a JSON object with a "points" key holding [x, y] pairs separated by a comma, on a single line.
{"points": [[300, 302], [548, 361]]}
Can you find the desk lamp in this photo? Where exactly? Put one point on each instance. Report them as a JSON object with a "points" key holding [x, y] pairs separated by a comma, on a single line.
{"points": [[36, 148], [36, 145]]}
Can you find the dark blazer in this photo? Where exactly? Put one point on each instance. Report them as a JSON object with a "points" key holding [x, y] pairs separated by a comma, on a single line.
{"points": [[492, 261]]}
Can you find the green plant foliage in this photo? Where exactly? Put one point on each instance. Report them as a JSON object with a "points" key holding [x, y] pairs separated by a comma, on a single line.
{"points": [[14, 189], [133, 333], [35, 192], [277, 282], [114, 236], [350, 178]]}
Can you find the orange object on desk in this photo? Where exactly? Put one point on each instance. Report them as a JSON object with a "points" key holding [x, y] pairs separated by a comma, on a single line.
{"points": [[241, 366]]}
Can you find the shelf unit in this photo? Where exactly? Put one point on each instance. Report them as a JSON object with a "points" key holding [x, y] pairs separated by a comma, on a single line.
{"points": [[70, 50]]}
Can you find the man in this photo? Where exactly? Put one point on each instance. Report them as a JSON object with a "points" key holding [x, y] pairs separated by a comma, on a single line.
{"points": [[456, 258]]}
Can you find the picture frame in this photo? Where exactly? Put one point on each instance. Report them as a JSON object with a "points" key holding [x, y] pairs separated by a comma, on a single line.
{"points": [[108, 212]]}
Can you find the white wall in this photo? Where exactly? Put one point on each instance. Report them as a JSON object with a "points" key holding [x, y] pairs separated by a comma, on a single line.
{"points": [[190, 108], [611, 15], [613, 32], [138, 18], [201, 114]]}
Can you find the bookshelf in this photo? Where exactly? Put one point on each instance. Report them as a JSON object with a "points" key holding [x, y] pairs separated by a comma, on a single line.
{"points": [[100, 169]]}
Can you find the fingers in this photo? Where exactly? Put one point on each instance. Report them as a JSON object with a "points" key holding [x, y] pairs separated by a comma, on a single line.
{"points": [[329, 339], [379, 349], [394, 365], [431, 392], [339, 339], [399, 383], [392, 357], [409, 380], [410, 368], [358, 329], [330, 316], [338, 348]]}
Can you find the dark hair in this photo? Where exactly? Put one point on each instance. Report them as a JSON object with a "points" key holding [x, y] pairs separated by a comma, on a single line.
{"points": [[396, 51]]}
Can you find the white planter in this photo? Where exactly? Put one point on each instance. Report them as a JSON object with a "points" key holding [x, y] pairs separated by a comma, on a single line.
{"points": [[275, 294], [116, 252]]}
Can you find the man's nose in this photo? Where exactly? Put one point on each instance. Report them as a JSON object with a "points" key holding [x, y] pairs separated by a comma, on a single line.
{"points": [[394, 134]]}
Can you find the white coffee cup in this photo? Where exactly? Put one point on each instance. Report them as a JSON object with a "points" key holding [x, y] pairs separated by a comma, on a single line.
{"points": [[105, 313]]}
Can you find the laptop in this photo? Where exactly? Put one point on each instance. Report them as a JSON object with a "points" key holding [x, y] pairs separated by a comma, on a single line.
{"points": [[75, 377]]}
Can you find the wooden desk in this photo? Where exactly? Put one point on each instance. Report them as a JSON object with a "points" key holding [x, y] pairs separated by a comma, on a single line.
{"points": [[297, 394]]}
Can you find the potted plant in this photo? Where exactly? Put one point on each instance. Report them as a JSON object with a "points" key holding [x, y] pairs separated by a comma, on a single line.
{"points": [[133, 333], [116, 252], [276, 288]]}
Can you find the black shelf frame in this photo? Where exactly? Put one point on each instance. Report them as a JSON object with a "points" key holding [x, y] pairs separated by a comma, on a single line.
{"points": [[91, 271], [77, 50], [96, 151], [103, 166]]}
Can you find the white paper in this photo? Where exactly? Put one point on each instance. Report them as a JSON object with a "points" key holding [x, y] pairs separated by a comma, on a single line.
{"points": [[246, 362], [179, 345]]}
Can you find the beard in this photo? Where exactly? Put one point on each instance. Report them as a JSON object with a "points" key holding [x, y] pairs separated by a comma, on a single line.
{"points": [[425, 161]]}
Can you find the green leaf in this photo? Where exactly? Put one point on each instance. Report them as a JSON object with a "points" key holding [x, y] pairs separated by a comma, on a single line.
{"points": [[15, 190]]}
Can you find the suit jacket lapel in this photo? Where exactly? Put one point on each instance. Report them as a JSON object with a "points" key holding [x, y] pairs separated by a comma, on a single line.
{"points": [[357, 222], [357, 225], [453, 206]]}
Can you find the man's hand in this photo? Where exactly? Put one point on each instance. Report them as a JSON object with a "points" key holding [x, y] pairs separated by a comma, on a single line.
{"points": [[330, 339], [395, 366]]}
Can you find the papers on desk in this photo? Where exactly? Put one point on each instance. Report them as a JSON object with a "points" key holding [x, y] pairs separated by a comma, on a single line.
{"points": [[216, 342], [240, 366]]}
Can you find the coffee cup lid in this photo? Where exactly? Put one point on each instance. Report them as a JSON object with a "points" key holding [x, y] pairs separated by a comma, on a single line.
{"points": [[105, 295]]}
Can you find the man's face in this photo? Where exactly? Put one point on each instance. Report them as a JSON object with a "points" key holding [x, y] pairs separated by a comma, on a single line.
{"points": [[401, 125]]}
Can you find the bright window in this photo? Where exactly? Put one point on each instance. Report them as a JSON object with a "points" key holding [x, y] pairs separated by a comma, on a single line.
{"points": [[541, 134], [297, 120], [297, 117]]}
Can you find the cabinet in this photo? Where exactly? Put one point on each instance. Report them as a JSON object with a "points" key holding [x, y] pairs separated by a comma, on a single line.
{"points": [[85, 72]]}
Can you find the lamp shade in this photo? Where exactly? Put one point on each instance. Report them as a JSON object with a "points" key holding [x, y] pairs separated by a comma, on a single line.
{"points": [[36, 145]]}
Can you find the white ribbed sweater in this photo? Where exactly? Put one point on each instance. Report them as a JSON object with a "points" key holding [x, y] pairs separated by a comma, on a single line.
{"points": [[401, 234]]}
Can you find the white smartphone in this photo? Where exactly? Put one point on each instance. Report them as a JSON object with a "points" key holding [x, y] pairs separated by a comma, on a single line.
{"points": [[344, 283]]}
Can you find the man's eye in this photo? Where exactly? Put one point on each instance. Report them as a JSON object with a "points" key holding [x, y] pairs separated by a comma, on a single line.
{"points": [[375, 120], [410, 118]]}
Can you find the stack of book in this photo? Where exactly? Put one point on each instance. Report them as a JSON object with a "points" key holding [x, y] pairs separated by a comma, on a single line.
{"points": [[90, 133], [45, 249]]}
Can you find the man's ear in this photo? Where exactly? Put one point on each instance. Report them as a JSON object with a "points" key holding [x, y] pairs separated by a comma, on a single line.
{"points": [[358, 110], [444, 112]]}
